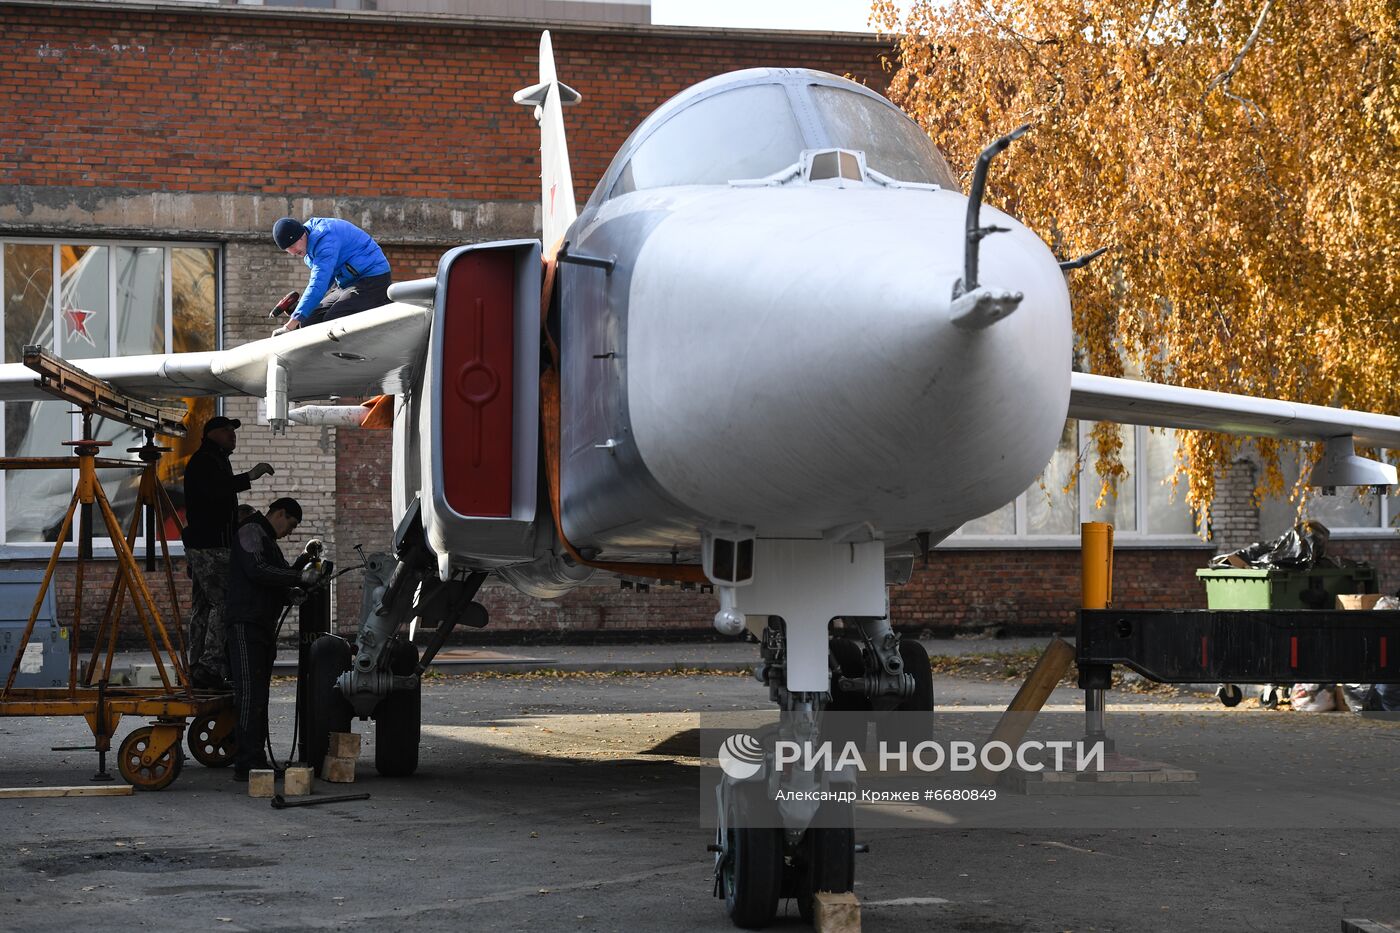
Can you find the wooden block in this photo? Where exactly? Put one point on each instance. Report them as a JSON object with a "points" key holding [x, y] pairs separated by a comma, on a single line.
{"points": [[261, 783], [344, 745], [836, 913], [296, 782], [338, 770], [1358, 600], [110, 790]]}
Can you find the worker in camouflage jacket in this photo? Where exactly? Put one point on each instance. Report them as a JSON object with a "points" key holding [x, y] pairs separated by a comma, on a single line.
{"points": [[211, 500]]}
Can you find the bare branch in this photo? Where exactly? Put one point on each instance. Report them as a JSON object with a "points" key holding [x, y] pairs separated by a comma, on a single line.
{"points": [[1151, 18], [1024, 42], [1225, 76]]}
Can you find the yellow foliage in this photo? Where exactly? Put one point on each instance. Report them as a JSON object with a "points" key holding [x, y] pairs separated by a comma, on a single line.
{"points": [[1240, 159]]}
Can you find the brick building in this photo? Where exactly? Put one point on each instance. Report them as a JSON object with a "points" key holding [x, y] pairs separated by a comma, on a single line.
{"points": [[173, 134]]}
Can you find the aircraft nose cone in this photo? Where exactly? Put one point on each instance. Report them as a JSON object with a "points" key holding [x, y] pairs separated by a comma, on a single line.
{"points": [[793, 356]]}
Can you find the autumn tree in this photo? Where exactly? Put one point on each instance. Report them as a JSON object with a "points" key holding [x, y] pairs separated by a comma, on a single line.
{"points": [[1239, 159]]}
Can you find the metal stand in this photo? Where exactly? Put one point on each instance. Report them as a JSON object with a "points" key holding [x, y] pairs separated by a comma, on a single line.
{"points": [[1096, 592], [151, 757]]}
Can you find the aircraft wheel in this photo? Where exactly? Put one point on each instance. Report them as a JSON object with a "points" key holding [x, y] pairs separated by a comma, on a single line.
{"points": [[849, 658], [160, 773], [751, 866], [212, 739], [398, 719], [916, 663], [826, 857], [326, 710]]}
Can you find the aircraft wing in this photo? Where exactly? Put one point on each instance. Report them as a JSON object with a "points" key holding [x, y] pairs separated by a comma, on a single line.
{"points": [[1104, 398], [369, 353]]}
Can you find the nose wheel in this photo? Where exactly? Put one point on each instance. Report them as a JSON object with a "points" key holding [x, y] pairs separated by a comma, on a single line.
{"points": [[825, 858], [749, 860]]}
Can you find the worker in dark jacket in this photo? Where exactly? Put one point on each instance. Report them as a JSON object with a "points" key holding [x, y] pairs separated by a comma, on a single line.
{"points": [[260, 584], [211, 498]]}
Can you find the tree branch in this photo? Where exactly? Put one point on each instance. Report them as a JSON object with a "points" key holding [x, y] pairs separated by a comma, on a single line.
{"points": [[1151, 18], [1225, 76]]}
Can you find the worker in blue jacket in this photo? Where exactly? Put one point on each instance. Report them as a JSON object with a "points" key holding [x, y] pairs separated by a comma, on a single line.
{"points": [[339, 254]]}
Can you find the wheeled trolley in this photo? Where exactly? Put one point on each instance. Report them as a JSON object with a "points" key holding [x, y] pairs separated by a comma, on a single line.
{"points": [[151, 757]]}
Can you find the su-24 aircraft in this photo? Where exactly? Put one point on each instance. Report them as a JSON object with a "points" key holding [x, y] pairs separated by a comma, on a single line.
{"points": [[782, 352]]}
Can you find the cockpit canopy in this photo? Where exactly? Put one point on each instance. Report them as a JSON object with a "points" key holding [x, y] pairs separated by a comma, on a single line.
{"points": [[751, 124]]}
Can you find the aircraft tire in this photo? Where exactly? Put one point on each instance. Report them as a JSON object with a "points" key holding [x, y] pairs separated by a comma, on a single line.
{"points": [[847, 653], [915, 658], [326, 710], [827, 860], [398, 719], [752, 872]]}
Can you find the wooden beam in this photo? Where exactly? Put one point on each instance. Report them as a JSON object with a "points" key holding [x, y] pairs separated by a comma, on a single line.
{"points": [[1030, 699], [85, 790]]}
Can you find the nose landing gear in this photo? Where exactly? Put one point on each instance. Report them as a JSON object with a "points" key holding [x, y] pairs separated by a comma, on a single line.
{"points": [[768, 849]]}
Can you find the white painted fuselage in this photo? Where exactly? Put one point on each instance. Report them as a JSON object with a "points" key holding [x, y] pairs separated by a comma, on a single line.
{"points": [[784, 360]]}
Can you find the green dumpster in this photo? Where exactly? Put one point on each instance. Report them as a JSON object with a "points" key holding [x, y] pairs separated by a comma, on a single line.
{"points": [[1318, 588]]}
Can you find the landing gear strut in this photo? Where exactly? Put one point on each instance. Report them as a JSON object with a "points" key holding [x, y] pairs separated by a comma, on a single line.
{"points": [[767, 850], [381, 677]]}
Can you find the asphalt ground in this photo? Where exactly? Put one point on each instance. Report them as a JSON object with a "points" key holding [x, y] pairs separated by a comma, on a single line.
{"points": [[569, 802]]}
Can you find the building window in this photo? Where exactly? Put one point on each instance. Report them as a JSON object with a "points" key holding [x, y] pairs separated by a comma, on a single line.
{"points": [[1145, 511], [1352, 512], [84, 299]]}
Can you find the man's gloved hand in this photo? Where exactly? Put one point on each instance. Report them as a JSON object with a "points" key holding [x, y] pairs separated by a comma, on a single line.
{"points": [[260, 470]]}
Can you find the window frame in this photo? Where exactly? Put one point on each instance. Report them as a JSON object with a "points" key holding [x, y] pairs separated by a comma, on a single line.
{"points": [[1140, 537], [1386, 516], [102, 546]]}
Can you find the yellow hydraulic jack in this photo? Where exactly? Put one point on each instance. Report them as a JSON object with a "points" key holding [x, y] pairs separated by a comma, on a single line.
{"points": [[150, 758]]}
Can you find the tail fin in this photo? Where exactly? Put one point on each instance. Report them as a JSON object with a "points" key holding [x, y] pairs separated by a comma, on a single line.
{"points": [[549, 97]]}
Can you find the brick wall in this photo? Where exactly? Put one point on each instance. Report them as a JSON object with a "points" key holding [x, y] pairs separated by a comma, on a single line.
{"points": [[304, 458], [1234, 517], [244, 101]]}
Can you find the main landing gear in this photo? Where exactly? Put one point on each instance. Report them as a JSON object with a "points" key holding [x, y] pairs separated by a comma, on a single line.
{"points": [[771, 846], [379, 676]]}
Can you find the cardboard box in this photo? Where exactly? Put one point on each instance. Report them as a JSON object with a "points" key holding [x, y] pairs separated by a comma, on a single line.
{"points": [[1358, 600]]}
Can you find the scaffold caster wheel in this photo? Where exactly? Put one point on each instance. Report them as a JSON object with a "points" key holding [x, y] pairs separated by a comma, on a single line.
{"points": [[1229, 695], [212, 739], [157, 775], [1269, 697]]}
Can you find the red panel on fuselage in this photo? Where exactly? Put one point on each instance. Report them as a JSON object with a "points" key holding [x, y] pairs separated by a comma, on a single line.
{"points": [[478, 366]]}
